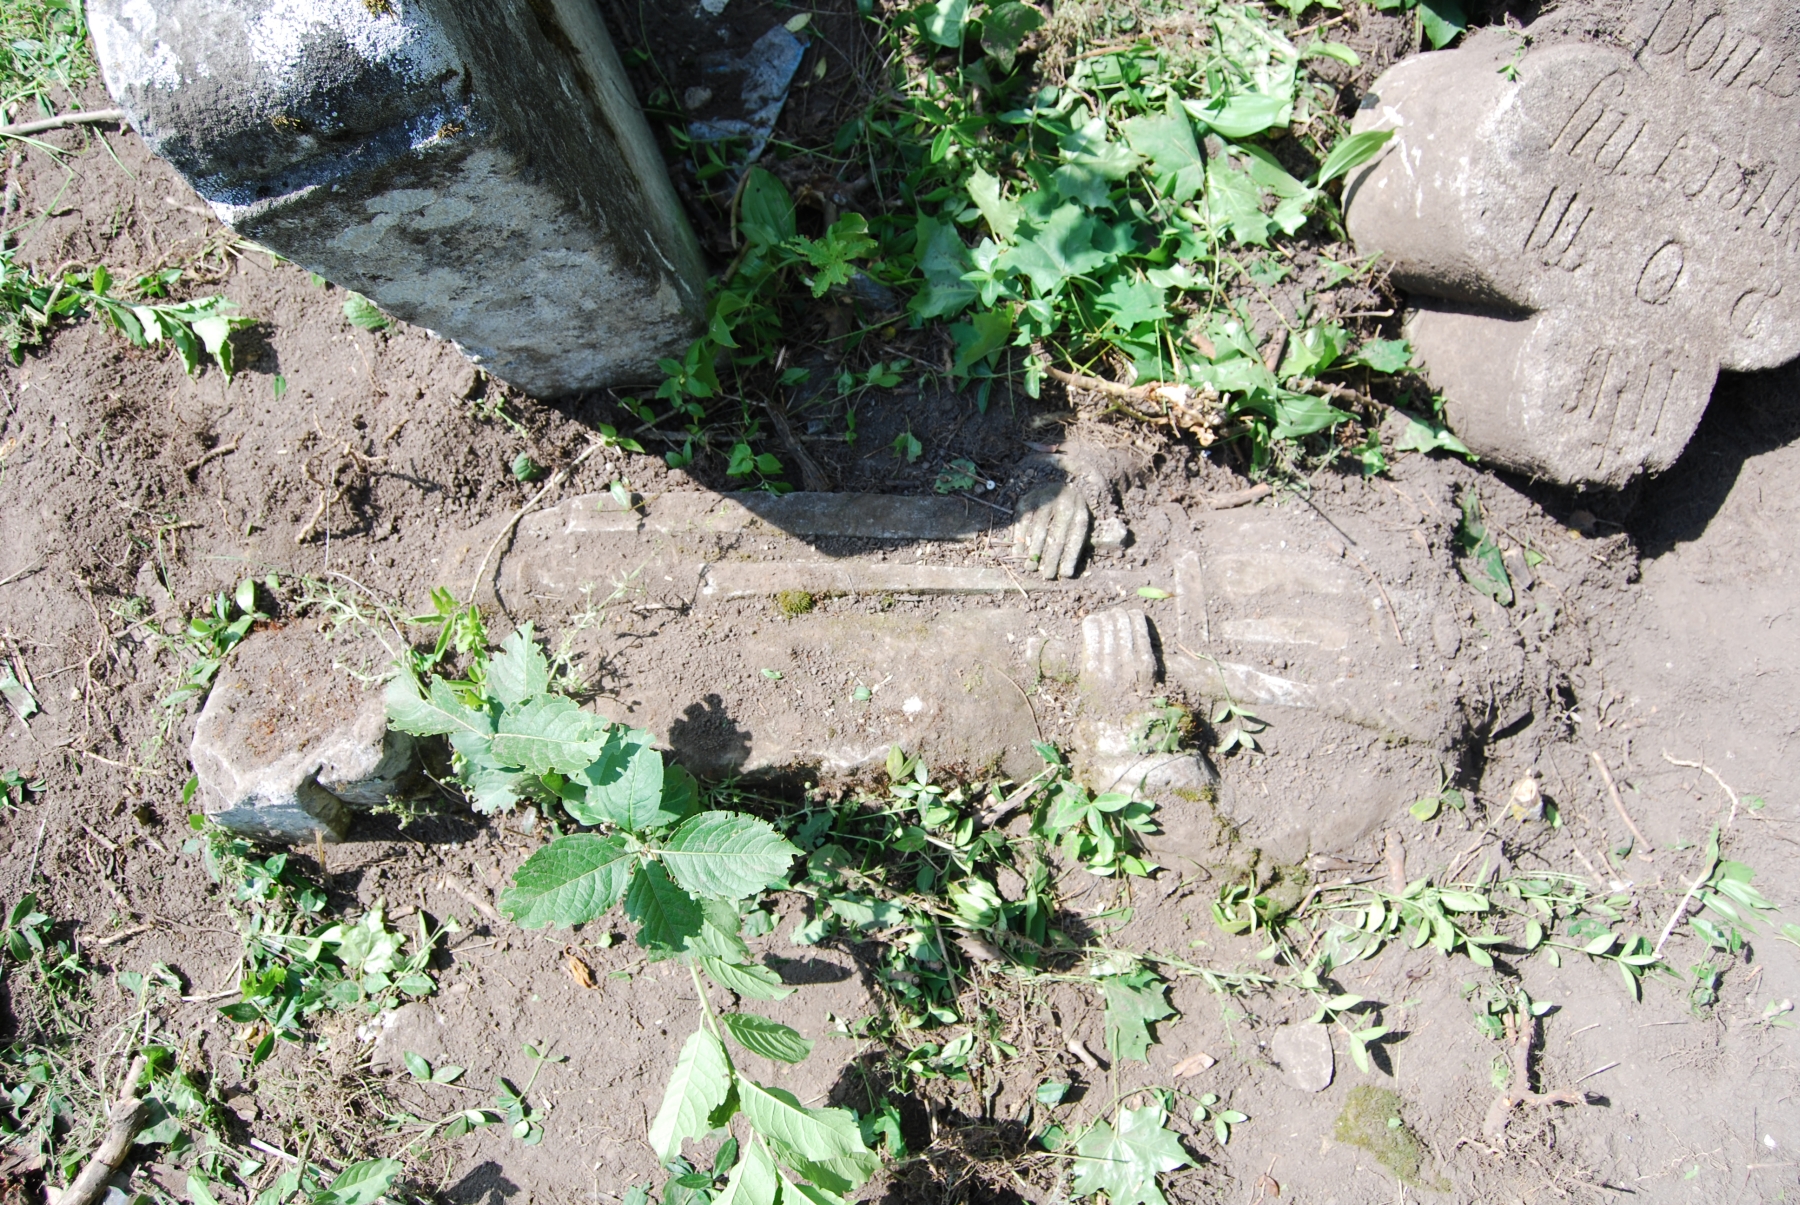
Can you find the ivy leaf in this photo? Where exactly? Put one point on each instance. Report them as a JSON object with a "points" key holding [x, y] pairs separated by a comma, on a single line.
{"points": [[1133, 1002], [1003, 216], [943, 259], [697, 1090], [1091, 163], [771, 1039], [1428, 435], [1316, 350], [824, 1145], [1384, 355], [1168, 142], [1132, 302], [549, 735], [438, 713], [727, 855], [519, 671], [749, 980], [1125, 1162], [980, 337], [1003, 29], [1234, 204], [1056, 249], [570, 881], [666, 915]]}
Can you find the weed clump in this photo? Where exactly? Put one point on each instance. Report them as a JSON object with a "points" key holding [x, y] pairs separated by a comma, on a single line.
{"points": [[1371, 1120], [793, 603]]}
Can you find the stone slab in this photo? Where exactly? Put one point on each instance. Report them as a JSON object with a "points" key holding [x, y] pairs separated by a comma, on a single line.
{"points": [[1592, 240], [288, 743], [480, 169], [855, 516]]}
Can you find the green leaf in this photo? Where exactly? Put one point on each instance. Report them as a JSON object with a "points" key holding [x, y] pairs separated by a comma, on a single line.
{"points": [[766, 211], [666, 915], [1052, 251], [361, 1183], [699, 1087], [754, 1181], [943, 259], [771, 1039], [1133, 1003], [1125, 1162], [1167, 140], [1351, 153], [1132, 302], [625, 785], [518, 671], [824, 1145], [1464, 901], [1384, 355], [550, 735], [17, 697], [363, 312], [570, 881], [980, 337], [1315, 351], [749, 980], [415, 1063], [1443, 20], [1091, 164], [1428, 435], [944, 21], [1233, 204], [1003, 29], [727, 855], [1427, 808], [1244, 114], [1003, 216], [440, 713]]}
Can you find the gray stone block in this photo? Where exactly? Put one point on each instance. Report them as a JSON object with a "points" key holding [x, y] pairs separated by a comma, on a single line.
{"points": [[288, 744], [479, 169], [1591, 242]]}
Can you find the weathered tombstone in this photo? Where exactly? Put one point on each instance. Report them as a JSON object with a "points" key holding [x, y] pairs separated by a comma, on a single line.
{"points": [[476, 167], [1593, 231]]}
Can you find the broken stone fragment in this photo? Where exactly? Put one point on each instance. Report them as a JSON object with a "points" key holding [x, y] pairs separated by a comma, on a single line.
{"points": [[479, 169], [1304, 1052], [1052, 530], [288, 742], [1592, 232]]}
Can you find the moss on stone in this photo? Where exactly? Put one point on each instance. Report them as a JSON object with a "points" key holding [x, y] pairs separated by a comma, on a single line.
{"points": [[1371, 1120], [795, 602]]}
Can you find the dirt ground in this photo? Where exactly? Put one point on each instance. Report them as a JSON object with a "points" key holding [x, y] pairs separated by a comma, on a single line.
{"points": [[1661, 627]]}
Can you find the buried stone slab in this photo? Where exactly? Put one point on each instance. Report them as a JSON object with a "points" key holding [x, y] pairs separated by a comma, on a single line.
{"points": [[479, 169], [289, 743], [1592, 232]]}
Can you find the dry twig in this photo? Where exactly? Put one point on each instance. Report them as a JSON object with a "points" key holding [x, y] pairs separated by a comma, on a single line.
{"points": [[126, 1119], [1723, 785], [63, 121], [1644, 849], [1494, 1127]]}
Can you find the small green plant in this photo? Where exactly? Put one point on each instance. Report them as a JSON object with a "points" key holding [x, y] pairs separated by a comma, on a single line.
{"points": [[795, 603], [1100, 832], [1245, 725], [30, 305], [1481, 562], [209, 639], [15, 785], [363, 313], [1123, 1160], [1136, 998], [43, 56], [1209, 1108]]}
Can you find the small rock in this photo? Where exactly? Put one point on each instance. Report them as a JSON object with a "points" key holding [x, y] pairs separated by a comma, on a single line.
{"points": [[1111, 534], [287, 743], [1304, 1052]]}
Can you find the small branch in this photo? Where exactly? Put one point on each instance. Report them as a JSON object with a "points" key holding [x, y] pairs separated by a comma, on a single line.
{"points": [[23, 573], [1079, 380], [121, 935], [1644, 849], [194, 466], [91, 117], [1232, 501], [127, 1118], [1494, 1127], [1335, 393]]}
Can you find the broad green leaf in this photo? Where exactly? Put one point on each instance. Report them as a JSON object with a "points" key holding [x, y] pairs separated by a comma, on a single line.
{"points": [[570, 881], [1233, 204], [1428, 435], [824, 1145], [808, 1194], [1130, 302], [727, 855], [439, 713], [490, 786], [1297, 414], [415, 1063], [1167, 140], [1316, 350], [944, 21], [700, 1085], [1242, 115], [1351, 153], [754, 1181], [666, 915], [1384, 355], [943, 259], [771, 1039], [1003, 28], [1133, 1002], [361, 1183], [718, 936], [749, 980], [518, 671], [626, 786], [1443, 20], [1125, 1162], [980, 337], [363, 312], [550, 735], [1056, 249], [680, 793], [1003, 216], [765, 211], [1092, 163], [1464, 901]]}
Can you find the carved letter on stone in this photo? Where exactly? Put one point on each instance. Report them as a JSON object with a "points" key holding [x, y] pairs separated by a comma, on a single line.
{"points": [[1591, 242]]}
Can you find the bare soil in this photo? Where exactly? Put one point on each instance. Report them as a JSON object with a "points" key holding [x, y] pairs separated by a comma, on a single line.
{"points": [[130, 492]]}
